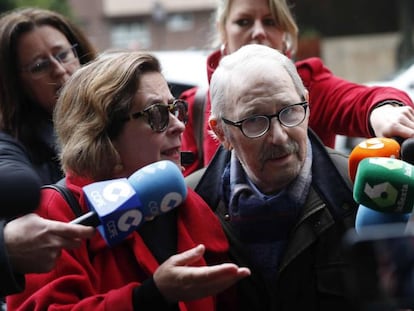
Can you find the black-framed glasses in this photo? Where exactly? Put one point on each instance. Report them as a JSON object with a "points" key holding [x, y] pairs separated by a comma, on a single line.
{"points": [[257, 126], [43, 66], [158, 115]]}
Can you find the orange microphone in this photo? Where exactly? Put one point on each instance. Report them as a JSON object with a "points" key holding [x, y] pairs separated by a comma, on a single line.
{"points": [[372, 147]]}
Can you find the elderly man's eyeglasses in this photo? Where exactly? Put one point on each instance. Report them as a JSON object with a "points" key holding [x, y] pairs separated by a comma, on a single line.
{"points": [[44, 66], [158, 115], [257, 126]]}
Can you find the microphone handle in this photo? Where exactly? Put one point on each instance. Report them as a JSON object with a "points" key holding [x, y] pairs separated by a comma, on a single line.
{"points": [[88, 219]]}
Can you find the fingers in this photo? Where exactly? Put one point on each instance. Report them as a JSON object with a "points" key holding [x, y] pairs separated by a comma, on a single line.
{"points": [[34, 243], [221, 280], [215, 279], [22, 231], [224, 270], [218, 273], [197, 282], [389, 121], [188, 257], [68, 235], [178, 280], [70, 231]]}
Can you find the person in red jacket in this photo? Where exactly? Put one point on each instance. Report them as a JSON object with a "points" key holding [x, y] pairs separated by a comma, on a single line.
{"points": [[113, 117], [337, 106]]}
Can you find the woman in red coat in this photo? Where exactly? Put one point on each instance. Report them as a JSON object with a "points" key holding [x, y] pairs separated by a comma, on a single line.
{"points": [[113, 117], [337, 106]]}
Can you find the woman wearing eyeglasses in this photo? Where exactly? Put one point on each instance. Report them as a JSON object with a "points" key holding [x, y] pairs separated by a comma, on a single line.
{"points": [[114, 116], [39, 51]]}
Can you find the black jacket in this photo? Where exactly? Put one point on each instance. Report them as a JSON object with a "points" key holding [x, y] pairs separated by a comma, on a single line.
{"points": [[311, 273], [19, 194]]}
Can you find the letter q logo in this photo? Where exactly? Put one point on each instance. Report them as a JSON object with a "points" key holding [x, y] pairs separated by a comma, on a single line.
{"points": [[170, 201], [116, 190], [130, 220]]}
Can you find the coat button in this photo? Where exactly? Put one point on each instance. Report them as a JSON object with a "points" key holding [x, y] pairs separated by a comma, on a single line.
{"points": [[226, 217]]}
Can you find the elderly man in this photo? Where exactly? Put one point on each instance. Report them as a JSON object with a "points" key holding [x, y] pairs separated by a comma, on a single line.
{"points": [[284, 199]]}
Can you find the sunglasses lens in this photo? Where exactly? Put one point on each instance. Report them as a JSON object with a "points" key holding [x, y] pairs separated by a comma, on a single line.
{"points": [[179, 110], [158, 117]]}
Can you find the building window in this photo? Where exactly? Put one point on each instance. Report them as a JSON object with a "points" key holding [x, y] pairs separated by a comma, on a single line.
{"points": [[130, 36], [180, 22]]}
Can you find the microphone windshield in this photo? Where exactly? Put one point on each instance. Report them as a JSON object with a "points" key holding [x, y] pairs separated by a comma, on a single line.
{"points": [[160, 187], [385, 185], [367, 217], [407, 150], [372, 147], [119, 206]]}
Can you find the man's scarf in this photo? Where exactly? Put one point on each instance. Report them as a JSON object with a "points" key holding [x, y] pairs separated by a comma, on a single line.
{"points": [[263, 222]]}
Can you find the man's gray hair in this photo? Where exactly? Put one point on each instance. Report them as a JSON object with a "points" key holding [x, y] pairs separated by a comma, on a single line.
{"points": [[246, 61]]}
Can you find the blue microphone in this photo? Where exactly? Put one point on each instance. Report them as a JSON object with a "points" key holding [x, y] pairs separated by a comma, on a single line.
{"points": [[119, 206], [367, 217]]}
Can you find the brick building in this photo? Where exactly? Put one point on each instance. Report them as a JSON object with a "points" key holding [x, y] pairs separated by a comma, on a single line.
{"points": [[146, 24]]}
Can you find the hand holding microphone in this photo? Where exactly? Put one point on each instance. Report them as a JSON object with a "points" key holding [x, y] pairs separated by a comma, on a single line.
{"points": [[119, 206], [379, 147]]}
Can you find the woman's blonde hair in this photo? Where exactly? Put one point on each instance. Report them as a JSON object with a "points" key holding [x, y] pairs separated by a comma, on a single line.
{"points": [[92, 109], [281, 13]]}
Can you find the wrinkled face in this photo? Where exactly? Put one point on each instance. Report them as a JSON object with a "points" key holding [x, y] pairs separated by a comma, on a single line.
{"points": [[138, 145], [35, 49], [273, 160], [250, 21]]}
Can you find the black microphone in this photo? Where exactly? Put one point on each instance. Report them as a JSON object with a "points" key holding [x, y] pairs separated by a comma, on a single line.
{"points": [[407, 150], [19, 190], [19, 182]]}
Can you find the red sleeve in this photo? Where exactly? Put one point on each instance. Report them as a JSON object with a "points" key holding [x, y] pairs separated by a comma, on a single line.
{"points": [[71, 284], [339, 106], [97, 277]]}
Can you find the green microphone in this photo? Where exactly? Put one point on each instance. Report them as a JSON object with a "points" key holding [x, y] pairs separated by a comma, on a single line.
{"points": [[385, 185]]}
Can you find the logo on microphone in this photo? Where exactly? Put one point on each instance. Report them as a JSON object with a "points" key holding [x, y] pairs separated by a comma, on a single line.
{"points": [[170, 201], [131, 219], [114, 191], [382, 195], [387, 188], [372, 143], [117, 206]]}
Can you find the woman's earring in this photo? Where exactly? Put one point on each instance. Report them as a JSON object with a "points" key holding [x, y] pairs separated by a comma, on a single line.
{"points": [[287, 45], [284, 48], [223, 49]]}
